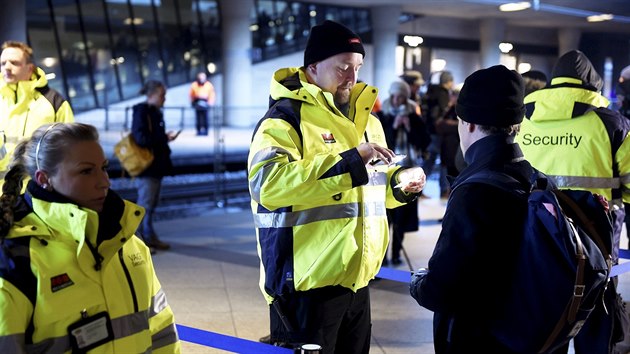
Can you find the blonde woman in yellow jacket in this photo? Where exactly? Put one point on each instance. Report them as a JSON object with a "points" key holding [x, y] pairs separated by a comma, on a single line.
{"points": [[26, 100], [73, 276]]}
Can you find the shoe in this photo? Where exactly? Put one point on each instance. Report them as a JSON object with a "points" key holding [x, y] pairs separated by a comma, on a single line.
{"points": [[385, 262], [265, 339], [396, 261], [159, 245]]}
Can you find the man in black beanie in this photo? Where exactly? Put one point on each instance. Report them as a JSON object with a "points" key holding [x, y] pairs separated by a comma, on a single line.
{"points": [[482, 223], [321, 179], [570, 135]]}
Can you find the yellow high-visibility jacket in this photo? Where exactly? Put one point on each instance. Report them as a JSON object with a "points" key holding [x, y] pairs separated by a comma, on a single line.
{"points": [[570, 135], [49, 275], [24, 107], [319, 213]]}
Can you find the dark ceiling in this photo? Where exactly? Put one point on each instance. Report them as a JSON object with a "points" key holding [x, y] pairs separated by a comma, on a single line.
{"points": [[543, 13]]}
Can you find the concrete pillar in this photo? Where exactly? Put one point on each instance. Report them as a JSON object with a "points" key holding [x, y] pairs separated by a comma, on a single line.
{"points": [[236, 63], [491, 33], [13, 21], [384, 42], [568, 39]]}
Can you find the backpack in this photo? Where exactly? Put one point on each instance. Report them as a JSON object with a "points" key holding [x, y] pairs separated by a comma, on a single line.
{"points": [[562, 265]]}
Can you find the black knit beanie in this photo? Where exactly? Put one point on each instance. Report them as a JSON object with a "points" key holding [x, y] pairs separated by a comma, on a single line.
{"points": [[328, 39], [492, 97]]}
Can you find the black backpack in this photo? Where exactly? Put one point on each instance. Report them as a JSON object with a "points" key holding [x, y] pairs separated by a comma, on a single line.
{"points": [[562, 268]]}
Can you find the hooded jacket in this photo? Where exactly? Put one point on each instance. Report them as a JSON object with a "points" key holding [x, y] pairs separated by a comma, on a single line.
{"points": [[319, 214], [571, 136], [50, 273], [24, 107]]}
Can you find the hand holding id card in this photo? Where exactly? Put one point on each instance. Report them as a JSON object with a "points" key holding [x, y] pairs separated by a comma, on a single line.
{"points": [[396, 159]]}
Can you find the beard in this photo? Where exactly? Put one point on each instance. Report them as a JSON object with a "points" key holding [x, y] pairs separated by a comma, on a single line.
{"points": [[342, 99]]}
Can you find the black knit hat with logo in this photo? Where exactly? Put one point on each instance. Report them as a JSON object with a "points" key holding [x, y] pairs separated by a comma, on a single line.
{"points": [[328, 39], [492, 97]]}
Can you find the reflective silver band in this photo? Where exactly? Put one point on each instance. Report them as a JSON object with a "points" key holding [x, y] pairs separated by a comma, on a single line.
{"points": [[266, 154], [158, 303], [12, 343], [330, 212], [166, 336], [587, 182], [50, 345], [130, 324]]}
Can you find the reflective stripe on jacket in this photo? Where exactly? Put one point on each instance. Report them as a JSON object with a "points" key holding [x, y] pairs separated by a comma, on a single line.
{"points": [[24, 107], [319, 214], [588, 143], [69, 282]]}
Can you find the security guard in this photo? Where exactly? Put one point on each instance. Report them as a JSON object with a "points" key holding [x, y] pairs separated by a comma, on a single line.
{"points": [[319, 211], [571, 136], [26, 100], [73, 277]]}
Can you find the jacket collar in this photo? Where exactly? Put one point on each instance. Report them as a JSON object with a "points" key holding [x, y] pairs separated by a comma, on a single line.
{"points": [[118, 216], [493, 152]]}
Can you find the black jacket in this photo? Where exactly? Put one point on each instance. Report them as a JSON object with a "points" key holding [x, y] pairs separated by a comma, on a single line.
{"points": [[472, 263], [148, 130]]}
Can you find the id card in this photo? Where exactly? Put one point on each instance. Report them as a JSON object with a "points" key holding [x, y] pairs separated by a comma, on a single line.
{"points": [[90, 332]]}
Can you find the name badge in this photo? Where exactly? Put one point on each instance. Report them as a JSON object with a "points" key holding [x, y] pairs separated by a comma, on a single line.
{"points": [[90, 332]]}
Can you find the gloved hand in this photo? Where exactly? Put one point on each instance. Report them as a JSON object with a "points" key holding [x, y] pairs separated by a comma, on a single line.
{"points": [[416, 278]]}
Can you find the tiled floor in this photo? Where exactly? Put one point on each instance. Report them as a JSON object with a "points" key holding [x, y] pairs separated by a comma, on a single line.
{"points": [[211, 279]]}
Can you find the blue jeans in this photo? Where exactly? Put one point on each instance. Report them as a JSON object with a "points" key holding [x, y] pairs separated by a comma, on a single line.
{"points": [[148, 197]]}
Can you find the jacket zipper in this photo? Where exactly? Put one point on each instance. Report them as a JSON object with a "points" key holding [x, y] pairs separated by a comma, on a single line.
{"points": [[128, 276]]}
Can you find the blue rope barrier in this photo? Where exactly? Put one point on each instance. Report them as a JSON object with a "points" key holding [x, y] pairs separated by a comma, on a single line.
{"points": [[238, 345], [403, 276], [225, 342]]}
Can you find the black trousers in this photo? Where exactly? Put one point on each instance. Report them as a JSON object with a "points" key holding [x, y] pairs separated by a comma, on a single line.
{"points": [[202, 121], [334, 317]]}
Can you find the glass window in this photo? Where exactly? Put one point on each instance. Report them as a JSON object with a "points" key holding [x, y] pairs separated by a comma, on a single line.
{"points": [[103, 61], [174, 41], [282, 27], [125, 48], [149, 48], [41, 38]]}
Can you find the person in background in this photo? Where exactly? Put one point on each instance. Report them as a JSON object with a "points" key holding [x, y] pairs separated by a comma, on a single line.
{"points": [[450, 151], [320, 176], [437, 102], [474, 238], [623, 100], [26, 100], [202, 98], [414, 79], [149, 130], [69, 260], [534, 80], [407, 135], [570, 135]]}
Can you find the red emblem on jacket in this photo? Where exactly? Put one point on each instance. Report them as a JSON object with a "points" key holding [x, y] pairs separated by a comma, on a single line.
{"points": [[328, 138]]}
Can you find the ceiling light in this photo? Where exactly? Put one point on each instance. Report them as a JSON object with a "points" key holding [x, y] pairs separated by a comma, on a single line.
{"points": [[599, 18], [137, 21], [413, 41], [505, 47], [438, 65], [524, 67], [515, 6]]}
